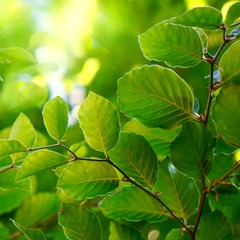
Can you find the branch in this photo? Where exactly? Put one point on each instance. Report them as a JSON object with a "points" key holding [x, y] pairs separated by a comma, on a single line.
{"points": [[7, 168]]}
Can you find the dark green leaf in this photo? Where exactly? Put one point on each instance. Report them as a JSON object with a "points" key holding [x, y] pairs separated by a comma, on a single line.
{"points": [[226, 113], [4, 233], [176, 45], [8, 147], [55, 116], [98, 119], [120, 232], [84, 179], [125, 205], [214, 226], [192, 150], [230, 62], [159, 139], [40, 161], [37, 208], [134, 156], [208, 18], [177, 191], [79, 224], [30, 234], [233, 13], [156, 96]]}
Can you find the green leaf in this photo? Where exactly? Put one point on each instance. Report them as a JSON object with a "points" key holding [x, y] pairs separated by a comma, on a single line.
{"points": [[30, 234], [120, 232], [15, 54], [37, 208], [176, 45], [208, 18], [134, 156], [177, 234], [192, 150], [155, 96], [4, 233], [8, 147], [55, 116], [7, 180], [233, 13], [92, 179], [99, 121], [230, 62], [40, 161], [214, 226], [226, 113], [159, 139], [178, 192], [228, 203], [125, 205], [79, 223]]}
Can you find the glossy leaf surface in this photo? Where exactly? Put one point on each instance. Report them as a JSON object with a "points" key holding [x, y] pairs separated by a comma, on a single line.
{"points": [[192, 150], [81, 179], [208, 18], [159, 139], [226, 113], [98, 119], [79, 224], [214, 226], [232, 14], [155, 96], [8, 147], [175, 44], [230, 62], [30, 234], [55, 116], [125, 205], [177, 191], [134, 156], [40, 161]]}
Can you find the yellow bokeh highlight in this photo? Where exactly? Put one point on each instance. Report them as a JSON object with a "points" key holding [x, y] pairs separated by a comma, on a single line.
{"points": [[225, 8], [193, 3], [236, 155]]}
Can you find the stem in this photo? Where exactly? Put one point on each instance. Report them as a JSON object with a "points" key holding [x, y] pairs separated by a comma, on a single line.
{"points": [[7, 168]]}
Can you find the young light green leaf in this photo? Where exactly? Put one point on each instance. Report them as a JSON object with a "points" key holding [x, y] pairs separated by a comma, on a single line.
{"points": [[155, 96], [214, 226], [7, 181], [120, 232], [226, 113], [177, 234], [37, 208], [208, 18], [177, 191], [136, 158], [192, 151], [23, 130], [79, 224], [125, 205], [233, 13], [30, 233], [159, 139], [40, 161], [92, 179], [55, 116], [98, 119], [8, 147], [230, 62], [175, 44]]}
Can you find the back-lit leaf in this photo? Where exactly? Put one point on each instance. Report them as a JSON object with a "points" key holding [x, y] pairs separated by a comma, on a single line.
{"points": [[226, 113], [40, 161], [98, 119], [55, 116], [175, 44], [125, 205], [177, 191], [30, 233], [208, 18], [214, 226], [83, 179], [135, 157], [233, 13], [8, 147], [79, 224], [177, 234], [155, 96], [192, 151]]}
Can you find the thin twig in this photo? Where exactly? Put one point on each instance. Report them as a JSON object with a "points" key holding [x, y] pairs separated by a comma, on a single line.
{"points": [[7, 168]]}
